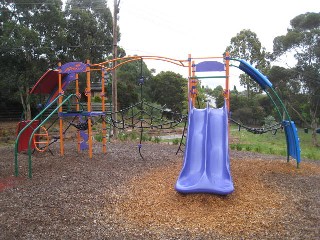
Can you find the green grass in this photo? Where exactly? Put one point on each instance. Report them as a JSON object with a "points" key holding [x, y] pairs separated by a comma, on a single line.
{"points": [[271, 144], [267, 143]]}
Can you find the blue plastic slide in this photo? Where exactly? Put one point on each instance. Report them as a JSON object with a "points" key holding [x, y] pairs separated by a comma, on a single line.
{"points": [[206, 167]]}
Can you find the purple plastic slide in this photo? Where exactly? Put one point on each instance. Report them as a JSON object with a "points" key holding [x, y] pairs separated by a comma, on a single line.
{"points": [[206, 167]]}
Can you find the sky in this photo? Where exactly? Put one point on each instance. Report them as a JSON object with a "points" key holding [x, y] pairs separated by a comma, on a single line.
{"points": [[176, 28]]}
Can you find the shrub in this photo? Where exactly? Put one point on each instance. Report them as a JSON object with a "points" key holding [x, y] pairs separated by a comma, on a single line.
{"points": [[97, 99], [157, 139], [98, 137], [248, 148], [271, 150], [122, 136], [258, 149], [176, 141], [238, 147]]}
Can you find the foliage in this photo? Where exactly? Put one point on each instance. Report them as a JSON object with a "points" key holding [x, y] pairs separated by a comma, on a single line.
{"points": [[247, 46], [35, 35], [97, 99], [129, 88], [89, 30], [168, 88], [26, 45], [302, 39], [247, 111]]}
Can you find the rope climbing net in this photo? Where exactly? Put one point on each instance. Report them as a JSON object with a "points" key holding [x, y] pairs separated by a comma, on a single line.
{"points": [[144, 115], [271, 128]]}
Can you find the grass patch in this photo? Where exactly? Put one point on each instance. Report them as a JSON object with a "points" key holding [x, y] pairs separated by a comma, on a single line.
{"points": [[269, 143]]}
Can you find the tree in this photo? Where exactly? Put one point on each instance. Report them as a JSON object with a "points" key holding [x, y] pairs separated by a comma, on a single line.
{"points": [[302, 39], [27, 44], [169, 88], [246, 45], [35, 35], [89, 30], [129, 76], [285, 82], [218, 95]]}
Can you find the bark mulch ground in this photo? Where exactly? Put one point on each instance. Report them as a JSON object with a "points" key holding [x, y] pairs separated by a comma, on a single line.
{"points": [[118, 195]]}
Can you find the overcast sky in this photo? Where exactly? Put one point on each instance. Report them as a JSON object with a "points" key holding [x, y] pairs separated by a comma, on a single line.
{"points": [[175, 28]]}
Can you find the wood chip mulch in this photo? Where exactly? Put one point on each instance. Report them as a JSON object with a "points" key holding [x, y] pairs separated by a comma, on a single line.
{"points": [[118, 195]]}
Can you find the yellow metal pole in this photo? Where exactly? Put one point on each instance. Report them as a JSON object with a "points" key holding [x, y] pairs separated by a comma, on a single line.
{"points": [[88, 93], [60, 110], [104, 133]]}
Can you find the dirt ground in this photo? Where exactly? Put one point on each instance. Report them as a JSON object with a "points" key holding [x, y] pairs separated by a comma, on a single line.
{"points": [[119, 195]]}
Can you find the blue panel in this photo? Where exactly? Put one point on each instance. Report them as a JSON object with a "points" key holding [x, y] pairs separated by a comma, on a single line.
{"points": [[209, 66], [255, 74], [293, 145]]}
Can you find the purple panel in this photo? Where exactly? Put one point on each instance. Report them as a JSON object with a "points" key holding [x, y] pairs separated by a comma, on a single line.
{"points": [[73, 67], [209, 66], [206, 167], [68, 79], [84, 144]]}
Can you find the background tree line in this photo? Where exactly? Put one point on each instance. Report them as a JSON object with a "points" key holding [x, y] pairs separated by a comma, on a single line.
{"points": [[36, 36]]}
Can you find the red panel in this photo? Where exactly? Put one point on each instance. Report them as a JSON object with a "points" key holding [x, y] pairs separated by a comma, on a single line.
{"points": [[47, 83], [25, 136]]}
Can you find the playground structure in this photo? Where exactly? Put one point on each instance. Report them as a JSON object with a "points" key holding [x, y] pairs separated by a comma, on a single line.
{"points": [[206, 165]]}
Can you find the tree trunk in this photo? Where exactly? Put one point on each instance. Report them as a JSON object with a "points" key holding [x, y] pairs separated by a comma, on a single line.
{"points": [[248, 90], [25, 101], [313, 126]]}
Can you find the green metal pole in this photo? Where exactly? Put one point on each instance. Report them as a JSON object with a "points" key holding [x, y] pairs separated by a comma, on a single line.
{"points": [[274, 103], [208, 77], [37, 128], [22, 130], [283, 106]]}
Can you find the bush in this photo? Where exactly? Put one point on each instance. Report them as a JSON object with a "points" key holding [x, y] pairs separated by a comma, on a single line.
{"points": [[157, 139], [248, 148], [144, 137], [122, 136], [269, 121], [98, 137], [238, 147], [258, 149], [97, 99], [176, 141], [133, 136], [271, 151]]}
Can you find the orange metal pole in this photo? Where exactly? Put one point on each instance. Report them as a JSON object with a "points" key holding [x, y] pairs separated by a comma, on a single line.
{"points": [[60, 110], [189, 79], [78, 108], [104, 133], [227, 80], [194, 85], [88, 93]]}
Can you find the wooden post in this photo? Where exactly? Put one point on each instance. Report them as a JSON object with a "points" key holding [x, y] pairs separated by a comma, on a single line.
{"points": [[114, 71]]}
